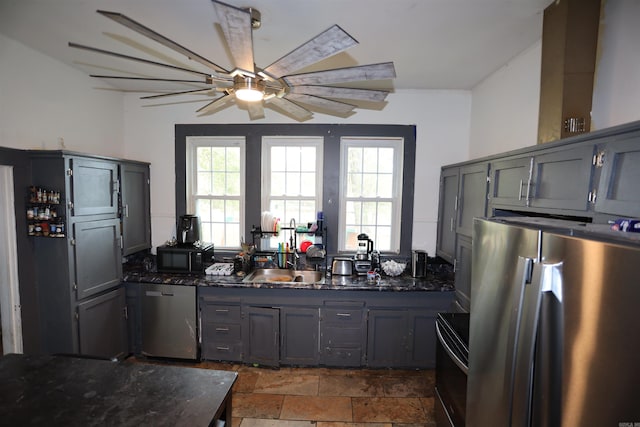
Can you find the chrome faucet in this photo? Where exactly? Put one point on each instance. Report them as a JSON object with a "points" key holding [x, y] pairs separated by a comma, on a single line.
{"points": [[293, 244]]}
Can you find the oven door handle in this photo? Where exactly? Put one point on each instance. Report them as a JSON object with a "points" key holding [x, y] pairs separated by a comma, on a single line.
{"points": [[450, 352]]}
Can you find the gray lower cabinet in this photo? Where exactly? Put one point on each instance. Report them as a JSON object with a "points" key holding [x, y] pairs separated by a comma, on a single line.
{"points": [[619, 190], [261, 335], [320, 327], [102, 325], [343, 333]]}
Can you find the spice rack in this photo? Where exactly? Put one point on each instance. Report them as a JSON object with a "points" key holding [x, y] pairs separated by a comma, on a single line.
{"points": [[44, 210]]}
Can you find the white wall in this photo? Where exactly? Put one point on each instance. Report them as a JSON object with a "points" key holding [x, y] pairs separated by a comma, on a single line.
{"points": [[616, 95], [45, 104], [441, 119], [504, 111]]}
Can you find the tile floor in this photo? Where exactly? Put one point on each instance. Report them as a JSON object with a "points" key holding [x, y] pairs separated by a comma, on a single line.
{"points": [[321, 397]]}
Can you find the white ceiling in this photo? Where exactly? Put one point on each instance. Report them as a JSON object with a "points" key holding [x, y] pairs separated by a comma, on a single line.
{"points": [[435, 44]]}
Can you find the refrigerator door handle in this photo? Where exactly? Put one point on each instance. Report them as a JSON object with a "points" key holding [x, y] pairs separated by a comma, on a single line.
{"points": [[525, 347]]}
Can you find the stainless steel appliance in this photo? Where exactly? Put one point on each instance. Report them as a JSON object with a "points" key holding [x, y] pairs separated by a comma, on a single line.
{"points": [[554, 319], [169, 326], [362, 258], [342, 266], [452, 353], [419, 263], [188, 230], [183, 259]]}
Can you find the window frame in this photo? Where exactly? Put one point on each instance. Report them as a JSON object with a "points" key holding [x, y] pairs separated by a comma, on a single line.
{"points": [[397, 144], [191, 146]]}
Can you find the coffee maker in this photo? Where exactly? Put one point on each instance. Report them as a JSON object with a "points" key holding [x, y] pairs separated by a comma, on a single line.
{"points": [[364, 254], [188, 230]]}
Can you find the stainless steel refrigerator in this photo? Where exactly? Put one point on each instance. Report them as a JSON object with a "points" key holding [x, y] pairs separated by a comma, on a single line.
{"points": [[555, 325]]}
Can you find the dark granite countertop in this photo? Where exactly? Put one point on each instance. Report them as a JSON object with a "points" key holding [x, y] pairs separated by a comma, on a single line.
{"points": [[71, 391], [439, 278]]}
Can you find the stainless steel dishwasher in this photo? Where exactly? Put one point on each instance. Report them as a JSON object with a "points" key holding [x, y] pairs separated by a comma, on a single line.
{"points": [[169, 321]]}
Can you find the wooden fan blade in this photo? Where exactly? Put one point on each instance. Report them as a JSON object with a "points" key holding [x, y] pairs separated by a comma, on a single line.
{"points": [[133, 58], [148, 32], [256, 110], [184, 92], [151, 79], [292, 109], [215, 104], [380, 71], [326, 44], [341, 92], [236, 26], [323, 103]]}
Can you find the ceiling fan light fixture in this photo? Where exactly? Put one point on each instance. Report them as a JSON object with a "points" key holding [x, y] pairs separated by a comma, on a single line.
{"points": [[248, 89]]}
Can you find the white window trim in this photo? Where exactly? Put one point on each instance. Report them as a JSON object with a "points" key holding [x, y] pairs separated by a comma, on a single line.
{"points": [[397, 144], [271, 141], [192, 143]]}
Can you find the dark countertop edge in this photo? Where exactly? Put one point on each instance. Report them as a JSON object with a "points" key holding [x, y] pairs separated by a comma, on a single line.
{"points": [[353, 283]]}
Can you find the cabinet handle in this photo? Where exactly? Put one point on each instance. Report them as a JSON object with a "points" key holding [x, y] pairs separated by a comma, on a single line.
{"points": [[222, 348], [451, 224], [222, 329], [520, 191], [126, 211], [343, 314], [222, 310]]}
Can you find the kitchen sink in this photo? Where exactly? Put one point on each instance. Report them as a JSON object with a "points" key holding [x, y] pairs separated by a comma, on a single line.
{"points": [[281, 275]]}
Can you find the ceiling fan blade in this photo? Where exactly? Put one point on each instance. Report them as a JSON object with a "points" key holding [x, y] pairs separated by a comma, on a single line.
{"points": [[380, 71], [133, 58], [341, 92], [326, 44], [184, 92], [216, 104], [236, 25], [323, 103], [256, 110], [148, 79], [292, 109], [148, 32]]}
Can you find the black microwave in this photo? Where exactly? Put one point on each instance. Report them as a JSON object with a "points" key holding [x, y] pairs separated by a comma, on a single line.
{"points": [[183, 259]]}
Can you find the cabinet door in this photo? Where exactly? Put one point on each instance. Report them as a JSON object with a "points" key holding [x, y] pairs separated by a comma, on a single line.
{"points": [[133, 316], [299, 343], [102, 325], [97, 259], [509, 178], [472, 196], [94, 187], [562, 179], [422, 339], [260, 335], [446, 240], [463, 273], [619, 189], [387, 338], [136, 215]]}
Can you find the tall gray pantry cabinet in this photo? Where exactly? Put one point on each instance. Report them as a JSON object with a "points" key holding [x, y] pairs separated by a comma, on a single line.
{"points": [[82, 307]]}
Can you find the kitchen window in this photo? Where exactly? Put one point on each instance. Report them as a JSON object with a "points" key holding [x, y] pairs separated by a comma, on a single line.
{"points": [[215, 187], [371, 192], [292, 178]]}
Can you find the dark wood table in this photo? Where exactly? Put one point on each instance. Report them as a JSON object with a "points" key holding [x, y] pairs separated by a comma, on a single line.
{"points": [[71, 391]]}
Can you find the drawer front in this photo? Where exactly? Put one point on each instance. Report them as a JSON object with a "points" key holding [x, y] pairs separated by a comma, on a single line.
{"points": [[220, 313], [337, 356], [222, 351], [221, 332], [342, 337], [343, 316]]}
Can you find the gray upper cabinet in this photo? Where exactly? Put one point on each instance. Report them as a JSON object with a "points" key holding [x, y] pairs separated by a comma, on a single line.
{"points": [[509, 178], [472, 196], [135, 209], [447, 209], [94, 187], [561, 179], [619, 188]]}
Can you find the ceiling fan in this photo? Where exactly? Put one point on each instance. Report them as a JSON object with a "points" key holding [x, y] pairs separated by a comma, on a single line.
{"points": [[274, 86]]}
